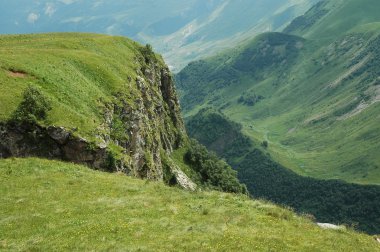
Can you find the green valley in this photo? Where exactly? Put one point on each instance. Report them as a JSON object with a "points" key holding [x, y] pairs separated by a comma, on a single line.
{"points": [[332, 201], [318, 85]]}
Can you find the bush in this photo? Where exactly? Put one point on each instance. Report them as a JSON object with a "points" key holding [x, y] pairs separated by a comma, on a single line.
{"points": [[34, 106], [215, 173], [147, 52], [265, 144], [250, 99]]}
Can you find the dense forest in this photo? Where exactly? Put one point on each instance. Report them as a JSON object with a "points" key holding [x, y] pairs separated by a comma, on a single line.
{"points": [[331, 201]]}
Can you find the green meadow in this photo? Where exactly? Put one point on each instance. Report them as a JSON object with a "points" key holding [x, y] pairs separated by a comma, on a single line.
{"points": [[50, 205]]}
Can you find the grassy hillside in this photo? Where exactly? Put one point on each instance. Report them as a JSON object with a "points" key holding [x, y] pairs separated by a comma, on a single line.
{"points": [[49, 205], [333, 18], [106, 99], [103, 101], [318, 100], [77, 72], [330, 201]]}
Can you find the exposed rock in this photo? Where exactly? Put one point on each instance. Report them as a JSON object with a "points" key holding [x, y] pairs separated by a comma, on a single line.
{"points": [[183, 180], [152, 122], [330, 226], [170, 97], [59, 134], [24, 140], [150, 75]]}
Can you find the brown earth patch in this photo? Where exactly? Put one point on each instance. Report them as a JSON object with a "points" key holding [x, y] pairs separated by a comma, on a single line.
{"points": [[17, 74]]}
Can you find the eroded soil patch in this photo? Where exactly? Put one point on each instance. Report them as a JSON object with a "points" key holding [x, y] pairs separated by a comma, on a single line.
{"points": [[17, 73]]}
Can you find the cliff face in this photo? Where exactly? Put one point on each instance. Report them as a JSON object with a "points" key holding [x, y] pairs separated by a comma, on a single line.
{"points": [[150, 125], [136, 125]]}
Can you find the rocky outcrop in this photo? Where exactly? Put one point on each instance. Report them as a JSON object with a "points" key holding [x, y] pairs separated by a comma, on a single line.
{"points": [[175, 176], [145, 123], [59, 134], [27, 139], [182, 179], [139, 125]]}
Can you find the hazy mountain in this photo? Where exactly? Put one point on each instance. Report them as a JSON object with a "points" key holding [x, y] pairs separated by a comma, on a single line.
{"points": [[181, 30], [313, 93]]}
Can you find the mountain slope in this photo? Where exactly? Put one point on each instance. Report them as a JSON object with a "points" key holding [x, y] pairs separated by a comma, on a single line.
{"points": [[105, 102], [331, 201], [181, 30], [318, 100], [49, 205], [112, 106], [330, 19]]}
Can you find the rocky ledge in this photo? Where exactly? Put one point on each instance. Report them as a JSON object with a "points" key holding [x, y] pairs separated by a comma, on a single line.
{"points": [[25, 140], [139, 127]]}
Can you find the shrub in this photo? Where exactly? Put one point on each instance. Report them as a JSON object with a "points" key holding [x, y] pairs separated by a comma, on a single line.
{"points": [[34, 106], [215, 173], [147, 52], [265, 144], [250, 99]]}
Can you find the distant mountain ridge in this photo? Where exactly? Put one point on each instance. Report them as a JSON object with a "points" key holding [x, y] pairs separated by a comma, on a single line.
{"points": [[181, 30]]}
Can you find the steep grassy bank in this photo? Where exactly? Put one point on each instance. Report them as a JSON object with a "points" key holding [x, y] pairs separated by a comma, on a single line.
{"points": [[49, 205]]}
